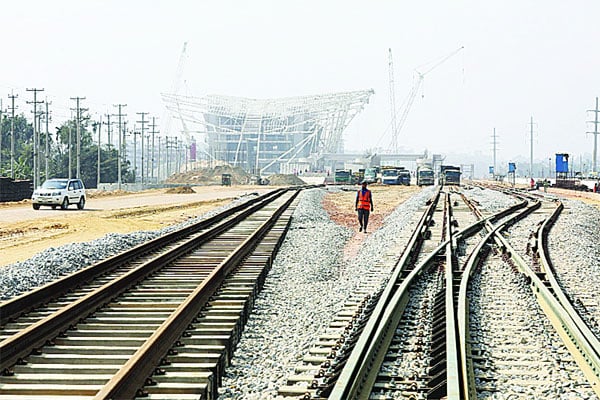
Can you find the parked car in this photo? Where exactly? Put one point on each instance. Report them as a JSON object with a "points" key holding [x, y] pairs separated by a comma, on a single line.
{"points": [[59, 192]]}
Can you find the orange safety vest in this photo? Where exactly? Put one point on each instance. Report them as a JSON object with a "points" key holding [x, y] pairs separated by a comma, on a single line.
{"points": [[364, 200]]}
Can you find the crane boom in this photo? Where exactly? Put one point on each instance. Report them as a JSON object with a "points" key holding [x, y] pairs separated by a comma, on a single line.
{"points": [[413, 94]]}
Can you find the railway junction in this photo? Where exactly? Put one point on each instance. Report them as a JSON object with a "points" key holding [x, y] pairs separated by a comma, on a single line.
{"points": [[457, 292]]}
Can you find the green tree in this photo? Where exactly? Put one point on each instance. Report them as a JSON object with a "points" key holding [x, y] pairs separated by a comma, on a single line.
{"points": [[23, 140]]}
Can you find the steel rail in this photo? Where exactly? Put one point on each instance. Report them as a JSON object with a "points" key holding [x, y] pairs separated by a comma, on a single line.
{"points": [[21, 344], [346, 385], [132, 376], [19, 305], [467, 371], [561, 318], [356, 376], [591, 342]]}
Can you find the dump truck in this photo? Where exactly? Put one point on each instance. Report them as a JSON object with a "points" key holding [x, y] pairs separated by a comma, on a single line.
{"points": [[449, 175], [371, 175], [343, 176], [391, 175], [425, 176]]}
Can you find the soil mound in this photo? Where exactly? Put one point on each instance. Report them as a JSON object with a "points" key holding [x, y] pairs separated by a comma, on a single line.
{"points": [[211, 176], [285, 180], [180, 189]]}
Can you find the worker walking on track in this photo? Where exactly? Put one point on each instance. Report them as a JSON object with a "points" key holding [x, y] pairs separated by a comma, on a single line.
{"points": [[364, 205]]}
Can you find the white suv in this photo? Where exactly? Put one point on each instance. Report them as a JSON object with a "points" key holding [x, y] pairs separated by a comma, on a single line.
{"points": [[59, 192]]}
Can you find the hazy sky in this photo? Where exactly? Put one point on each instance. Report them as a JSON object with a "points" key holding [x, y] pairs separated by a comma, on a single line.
{"points": [[521, 59]]}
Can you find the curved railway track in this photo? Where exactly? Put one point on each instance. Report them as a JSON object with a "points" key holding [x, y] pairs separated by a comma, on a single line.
{"points": [[411, 338], [158, 321]]}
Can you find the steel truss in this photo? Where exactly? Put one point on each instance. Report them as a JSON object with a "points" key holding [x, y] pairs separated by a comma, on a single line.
{"points": [[261, 134]]}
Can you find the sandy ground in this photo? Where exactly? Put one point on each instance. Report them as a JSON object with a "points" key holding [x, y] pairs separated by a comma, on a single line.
{"points": [[25, 232], [340, 207]]}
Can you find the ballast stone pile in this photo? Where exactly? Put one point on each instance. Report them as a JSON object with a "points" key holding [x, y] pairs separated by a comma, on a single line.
{"points": [[55, 262], [575, 252], [306, 286], [524, 356]]}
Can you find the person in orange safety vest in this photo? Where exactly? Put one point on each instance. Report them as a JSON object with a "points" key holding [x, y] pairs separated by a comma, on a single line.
{"points": [[364, 205]]}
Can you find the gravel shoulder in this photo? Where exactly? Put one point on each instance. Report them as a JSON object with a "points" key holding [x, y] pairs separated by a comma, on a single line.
{"points": [[25, 232]]}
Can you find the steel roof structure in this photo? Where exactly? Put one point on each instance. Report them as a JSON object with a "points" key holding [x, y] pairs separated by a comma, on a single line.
{"points": [[261, 134]]}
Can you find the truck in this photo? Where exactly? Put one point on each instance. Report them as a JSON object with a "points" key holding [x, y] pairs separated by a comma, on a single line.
{"points": [[449, 175], [425, 176], [404, 177], [343, 176], [371, 175], [391, 175]]}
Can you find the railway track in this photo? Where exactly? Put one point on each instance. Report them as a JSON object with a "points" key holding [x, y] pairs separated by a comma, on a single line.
{"points": [[159, 321], [412, 339]]}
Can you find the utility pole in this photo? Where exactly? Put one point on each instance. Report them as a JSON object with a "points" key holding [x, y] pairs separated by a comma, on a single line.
{"points": [[595, 133], [494, 143], [108, 126], [12, 135], [158, 162], [120, 115], [35, 102], [98, 125], [531, 149], [47, 151], [143, 122], [135, 133], [78, 111], [154, 132]]}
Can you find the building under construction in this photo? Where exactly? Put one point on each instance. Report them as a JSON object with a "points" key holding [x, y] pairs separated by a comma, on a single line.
{"points": [[269, 135]]}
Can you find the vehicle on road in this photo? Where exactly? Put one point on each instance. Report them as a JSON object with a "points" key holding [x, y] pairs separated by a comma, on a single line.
{"points": [[425, 176], [371, 175], [59, 193], [450, 175], [343, 176]]}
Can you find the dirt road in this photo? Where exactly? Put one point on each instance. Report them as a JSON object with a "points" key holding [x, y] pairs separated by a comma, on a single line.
{"points": [[25, 232]]}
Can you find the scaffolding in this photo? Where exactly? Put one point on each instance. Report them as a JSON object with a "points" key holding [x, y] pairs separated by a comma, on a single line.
{"points": [[260, 135]]}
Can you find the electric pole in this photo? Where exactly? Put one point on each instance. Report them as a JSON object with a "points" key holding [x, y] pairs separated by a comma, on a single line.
{"points": [[494, 143], [154, 132], [135, 133], [120, 115], [35, 102], [78, 115], [98, 125], [143, 122], [12, 135], [47, 151], [108, 126], [158, 163], [595, 133], [531, 149]]}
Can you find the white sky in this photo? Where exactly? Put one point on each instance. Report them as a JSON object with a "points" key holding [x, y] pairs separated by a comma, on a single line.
{"points": [[521, 59]]}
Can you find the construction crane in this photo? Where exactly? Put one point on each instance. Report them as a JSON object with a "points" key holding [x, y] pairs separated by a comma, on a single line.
{"points": [[175, 91], [393, 102], [418, 83]]}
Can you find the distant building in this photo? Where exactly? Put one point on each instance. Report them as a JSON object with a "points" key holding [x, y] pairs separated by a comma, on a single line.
{"points": [[269, 135]]}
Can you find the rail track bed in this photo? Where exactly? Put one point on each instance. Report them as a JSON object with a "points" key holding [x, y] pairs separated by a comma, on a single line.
{"points": [[419, 337], [463, 301], [160, 323]]}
